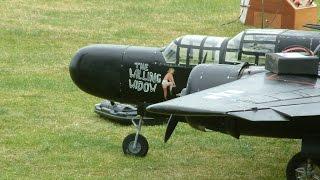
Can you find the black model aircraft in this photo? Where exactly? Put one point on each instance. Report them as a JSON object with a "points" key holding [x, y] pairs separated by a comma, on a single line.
{"points": [[282, 101], [135, 75]]}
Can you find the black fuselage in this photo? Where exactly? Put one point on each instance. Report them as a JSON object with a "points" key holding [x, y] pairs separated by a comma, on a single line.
{"points": [[133, 75], [126, 74]]}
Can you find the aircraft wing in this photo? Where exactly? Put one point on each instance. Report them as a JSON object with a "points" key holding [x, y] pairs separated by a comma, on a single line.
{"points": [[260, 97]]}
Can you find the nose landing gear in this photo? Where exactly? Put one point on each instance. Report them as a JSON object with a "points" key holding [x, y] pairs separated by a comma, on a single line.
{"points": [[135, 144]]}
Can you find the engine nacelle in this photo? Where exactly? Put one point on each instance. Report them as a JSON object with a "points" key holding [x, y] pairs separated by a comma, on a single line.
{"points": [[206, 76]]}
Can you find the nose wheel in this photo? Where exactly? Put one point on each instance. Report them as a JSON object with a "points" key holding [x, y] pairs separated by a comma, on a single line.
{"points": [[135, 144]]}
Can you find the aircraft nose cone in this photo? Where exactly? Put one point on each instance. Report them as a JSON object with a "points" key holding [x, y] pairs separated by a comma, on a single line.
{"points": [[95, 69], [74, 67]]}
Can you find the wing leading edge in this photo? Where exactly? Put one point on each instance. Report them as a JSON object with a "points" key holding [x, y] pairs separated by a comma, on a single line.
{"points": [[261, 97]]}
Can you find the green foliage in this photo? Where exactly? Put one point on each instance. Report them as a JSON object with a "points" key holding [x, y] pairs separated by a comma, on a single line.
{"points": [[47, 126]]}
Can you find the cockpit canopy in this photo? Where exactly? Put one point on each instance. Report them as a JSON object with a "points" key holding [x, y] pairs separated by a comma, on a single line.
{"points": [[193, 50], [251, 45], [248, 46]]}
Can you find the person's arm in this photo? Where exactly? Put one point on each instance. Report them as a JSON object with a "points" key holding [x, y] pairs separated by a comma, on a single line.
{"points": [[172, 80]]}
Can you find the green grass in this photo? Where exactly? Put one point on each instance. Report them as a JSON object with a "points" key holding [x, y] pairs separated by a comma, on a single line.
{"points": [[47, 126]]}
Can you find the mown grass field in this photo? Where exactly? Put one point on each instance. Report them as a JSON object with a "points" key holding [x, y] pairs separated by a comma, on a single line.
{"points": [[47, 126]]}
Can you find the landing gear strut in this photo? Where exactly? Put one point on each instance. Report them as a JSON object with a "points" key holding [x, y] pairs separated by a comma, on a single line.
{"points": [[135, 144], [301, 167]]}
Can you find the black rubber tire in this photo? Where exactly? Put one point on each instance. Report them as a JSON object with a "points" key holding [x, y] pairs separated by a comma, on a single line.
{"points": [[296, 161], [141, 149]]}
